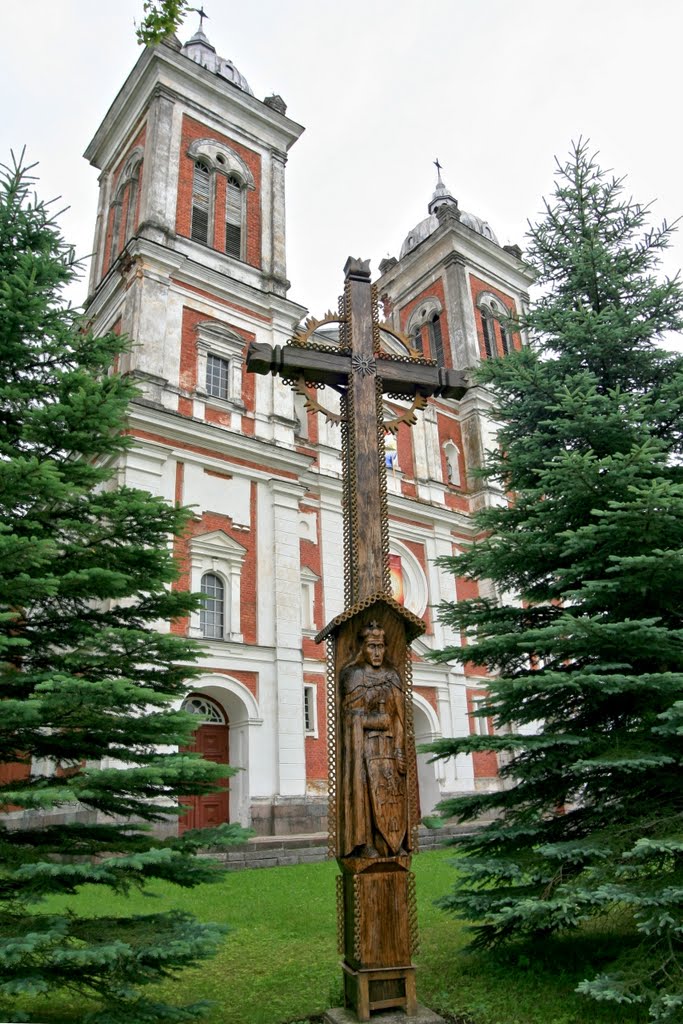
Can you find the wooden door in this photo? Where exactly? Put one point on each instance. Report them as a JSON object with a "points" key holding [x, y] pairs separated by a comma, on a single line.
{"points": [[213, 809]]}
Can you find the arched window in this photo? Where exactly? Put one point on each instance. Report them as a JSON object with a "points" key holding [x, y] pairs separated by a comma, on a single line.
{"points": [[199, 705], [234, 217], [493, 314], [201, 202], [436, 339], [424, 325], [215, 166], [212, 615]]}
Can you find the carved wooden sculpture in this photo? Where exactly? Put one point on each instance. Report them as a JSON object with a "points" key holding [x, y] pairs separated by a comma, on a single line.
{"points": [[373, 779]]}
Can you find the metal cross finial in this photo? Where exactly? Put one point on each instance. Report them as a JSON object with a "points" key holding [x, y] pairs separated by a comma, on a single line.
{"points": [[202, 14], [438, 170]]}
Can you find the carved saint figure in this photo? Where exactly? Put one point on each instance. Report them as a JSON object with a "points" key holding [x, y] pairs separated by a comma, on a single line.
{"points": [[373, 784]]}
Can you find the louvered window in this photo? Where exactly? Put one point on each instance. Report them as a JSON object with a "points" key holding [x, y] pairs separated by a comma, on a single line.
{"points": [[233, 219], [506, 339], [212, 615], [489, 337], [436, 339], [217, 377], [417, 339], [201, 202]]}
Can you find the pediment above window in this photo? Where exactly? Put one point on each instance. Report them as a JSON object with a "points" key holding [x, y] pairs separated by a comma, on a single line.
{"points": [[218, 545]]}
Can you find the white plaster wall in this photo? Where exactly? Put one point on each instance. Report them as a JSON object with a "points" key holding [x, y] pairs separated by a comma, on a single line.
{"points": [[207, 493]]}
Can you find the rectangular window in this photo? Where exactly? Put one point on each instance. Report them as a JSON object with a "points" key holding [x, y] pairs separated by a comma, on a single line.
{"points": [[310, 715], [482, 725], [217, 377]]}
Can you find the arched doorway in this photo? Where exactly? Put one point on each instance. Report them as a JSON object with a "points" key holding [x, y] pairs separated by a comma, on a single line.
{"points": [[211, 741], [427, 780]]}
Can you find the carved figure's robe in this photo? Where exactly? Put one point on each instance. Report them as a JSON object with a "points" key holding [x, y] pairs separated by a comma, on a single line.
{"points": [[373, 760]]}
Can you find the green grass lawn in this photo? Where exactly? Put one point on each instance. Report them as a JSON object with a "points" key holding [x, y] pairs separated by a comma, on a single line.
{"points": [[279, 961]]}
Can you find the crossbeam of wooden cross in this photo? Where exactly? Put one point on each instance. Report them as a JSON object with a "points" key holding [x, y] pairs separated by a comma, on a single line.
{"points": [[363, 374]]}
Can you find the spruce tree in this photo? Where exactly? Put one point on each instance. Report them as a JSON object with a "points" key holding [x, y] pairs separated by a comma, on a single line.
{"points": [[87, 682], [584, 644]]}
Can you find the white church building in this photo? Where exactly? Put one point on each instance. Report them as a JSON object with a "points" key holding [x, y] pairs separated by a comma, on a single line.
{"points": [[190, 263]]}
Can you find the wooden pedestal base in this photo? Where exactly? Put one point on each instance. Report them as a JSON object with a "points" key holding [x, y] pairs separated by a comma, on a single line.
{"points": [[380, 989]]}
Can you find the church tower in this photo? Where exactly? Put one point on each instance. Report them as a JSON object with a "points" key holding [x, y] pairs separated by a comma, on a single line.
{"points": [[454, 291], [190, 264]]}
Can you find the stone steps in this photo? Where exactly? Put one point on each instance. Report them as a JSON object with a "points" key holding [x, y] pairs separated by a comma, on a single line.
{"points": [[278, 851]]}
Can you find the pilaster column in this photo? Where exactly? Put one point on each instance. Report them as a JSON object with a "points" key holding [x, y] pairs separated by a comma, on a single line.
{"points": [[100, 239], [160, 172], [460, 313], [286, 496], [277, 208]]}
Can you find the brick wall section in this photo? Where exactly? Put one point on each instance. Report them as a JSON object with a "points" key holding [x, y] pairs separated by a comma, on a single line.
{"points": [[192, 130], [404, 446], [188, 365], [139, 140], [485, 761], [185, 287], [248, 679], [449, 430], [218, 416], [316, 748], [478, 286], [219, 204], [429, 694], [466, 590], [435, 290]]}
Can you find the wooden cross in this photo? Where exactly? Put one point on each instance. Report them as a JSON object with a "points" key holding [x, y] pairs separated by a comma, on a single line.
{"points": [[354, 370], [373, 777]]}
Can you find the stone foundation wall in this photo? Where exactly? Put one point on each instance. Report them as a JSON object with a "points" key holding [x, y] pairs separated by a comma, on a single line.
{"points": [[289, 816]]}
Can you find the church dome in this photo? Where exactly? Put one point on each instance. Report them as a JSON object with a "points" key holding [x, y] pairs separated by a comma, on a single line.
{"points": [[477, 224], [426, 227], [200, 50], [418, 234]]}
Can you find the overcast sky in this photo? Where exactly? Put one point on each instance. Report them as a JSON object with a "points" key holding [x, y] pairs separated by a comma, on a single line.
{"points": [[494, 88]]}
